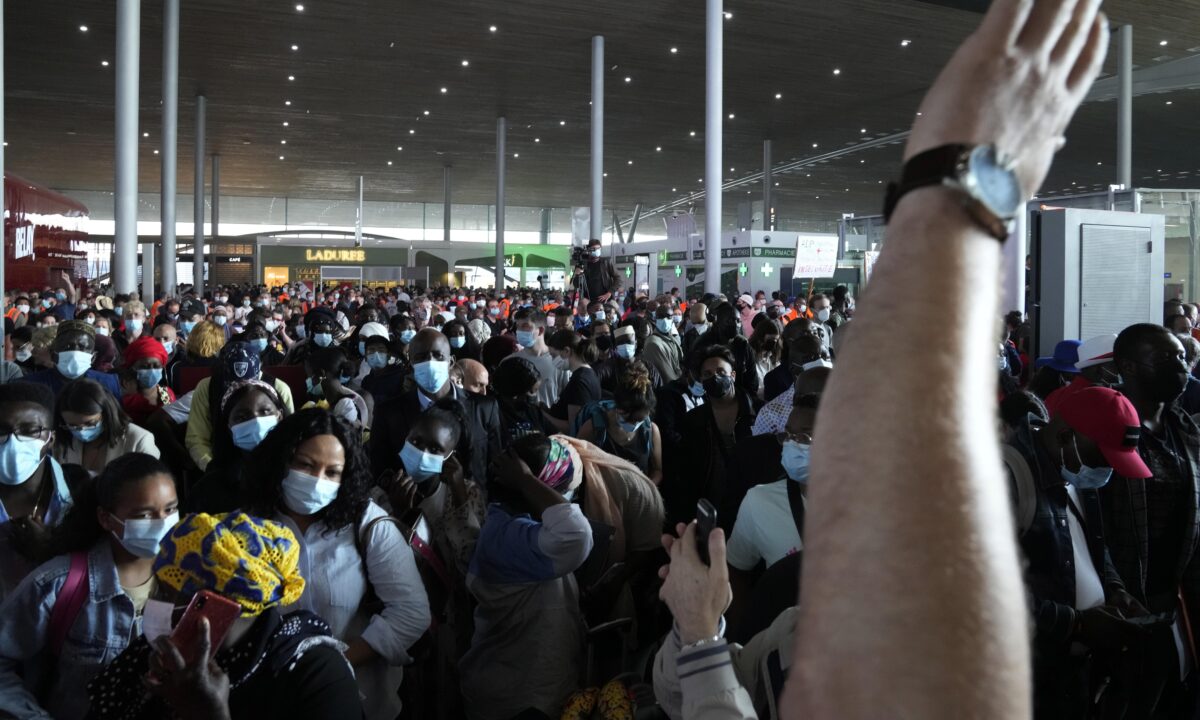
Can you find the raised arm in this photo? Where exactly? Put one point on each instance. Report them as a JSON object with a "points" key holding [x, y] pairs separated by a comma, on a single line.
{"points": [[912, 601]]}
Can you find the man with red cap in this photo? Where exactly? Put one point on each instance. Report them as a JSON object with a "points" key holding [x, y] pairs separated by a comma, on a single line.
{"points": [[1080, 607], [1096, 367]]}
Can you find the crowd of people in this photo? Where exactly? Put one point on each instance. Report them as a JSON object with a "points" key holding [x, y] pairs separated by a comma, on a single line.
{"points": [[299, 502]]}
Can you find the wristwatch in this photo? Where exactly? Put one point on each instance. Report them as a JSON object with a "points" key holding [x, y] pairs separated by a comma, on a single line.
{"points": [[984, 178]]}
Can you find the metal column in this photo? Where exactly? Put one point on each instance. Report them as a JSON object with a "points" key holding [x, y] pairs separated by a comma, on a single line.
{"points": [[198, 207], [358, 215], [1125, 106], [125, 240], [170, 140], [597, 137], [714, 84], [1013, 263], [148, 272], [446, 203], [501, 142], [768, 221], [214, 230]]}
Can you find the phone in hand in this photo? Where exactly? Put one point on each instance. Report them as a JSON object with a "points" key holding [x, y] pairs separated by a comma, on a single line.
{"points": [[706, 522], [220, 612]]}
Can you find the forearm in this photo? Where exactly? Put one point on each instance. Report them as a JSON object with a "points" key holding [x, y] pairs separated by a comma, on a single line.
{"points": [[359, 653], [926, 507]]}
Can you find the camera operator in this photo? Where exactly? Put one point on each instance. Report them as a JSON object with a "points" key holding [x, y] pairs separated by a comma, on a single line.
{"points": [[597, 277]]}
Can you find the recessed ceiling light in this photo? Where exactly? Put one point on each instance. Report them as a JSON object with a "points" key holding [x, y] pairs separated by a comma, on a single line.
{"points": [[699, 179], [776, 184], [291, 78], [299, 8], [492, 28], [814, 144], [399, 148], [728, 16], [562, 122], [103, 63], [412, 132], [283, 142], [287, 102], [426, 113], [280, 157], [1162, 43], [466, 63], [674, 190], [295, 48], [674, 51], [731, 169], [905, 43], [83, 28], [730, 116], [692, 134], [285, 123], [818, 197], [516, 155], [605, 174], [658, 148], [444, 91], [145, 134], [863, 130], [918, 113], [1170, 102], [778, 96], [863, 162], [389, 162], [155, 152], [630, 162], [837, 71]]}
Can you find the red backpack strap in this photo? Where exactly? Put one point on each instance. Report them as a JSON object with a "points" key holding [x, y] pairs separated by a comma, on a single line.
{"points": [[70, 599]]}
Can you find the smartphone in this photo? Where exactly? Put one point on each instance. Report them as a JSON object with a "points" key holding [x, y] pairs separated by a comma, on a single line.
{"points": [[706, 522], [220, 612]]}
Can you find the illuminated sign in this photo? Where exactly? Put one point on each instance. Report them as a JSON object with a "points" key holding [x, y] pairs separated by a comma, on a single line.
{"points": [[350, 256], [24, 242]]}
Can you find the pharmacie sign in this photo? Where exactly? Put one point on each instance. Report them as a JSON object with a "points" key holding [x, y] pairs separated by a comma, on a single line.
{"points": [[331, 255]]}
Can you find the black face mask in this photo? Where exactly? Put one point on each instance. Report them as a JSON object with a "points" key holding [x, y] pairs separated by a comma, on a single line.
{"points": [[604, 342], [1163, 382], [718, 385]]}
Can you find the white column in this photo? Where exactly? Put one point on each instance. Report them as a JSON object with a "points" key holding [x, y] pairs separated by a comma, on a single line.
{"points": [[214, 229], [198, 201], [714, 84], [125, 240], [1013, 287], [170, 140], [358, 215], [767, 223], [501, 142], [446, 208], [597, 137], [148, 272], [1125, 106]]}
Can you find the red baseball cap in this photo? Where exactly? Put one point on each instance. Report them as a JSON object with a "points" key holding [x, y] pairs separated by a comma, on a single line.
{"points": [[1105, 417]]}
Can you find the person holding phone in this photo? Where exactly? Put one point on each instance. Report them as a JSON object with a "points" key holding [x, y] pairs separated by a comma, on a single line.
{"points": [[112, 532], [195, 666], [311, 475]]}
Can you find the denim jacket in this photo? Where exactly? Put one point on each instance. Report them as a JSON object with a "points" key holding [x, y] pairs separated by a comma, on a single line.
{"points": [[103, 628]]}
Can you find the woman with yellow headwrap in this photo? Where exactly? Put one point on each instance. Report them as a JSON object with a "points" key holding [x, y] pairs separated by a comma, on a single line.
{"points": [[268, 665]]}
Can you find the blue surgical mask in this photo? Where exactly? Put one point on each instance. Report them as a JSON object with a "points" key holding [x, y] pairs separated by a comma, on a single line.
{"points": [[169, 346], [141, 536], [630, 427], [89, 433], [458, 341], [74, 363], [306, 494], [377, 360], [258, 344], [19, 459], [795, 460], [626, 351], [664, 325], [247, 435], [220, 320], [60, 296], [345, 379], [134, 325], [314, 388], [599, 315], [526, 338], [494, 312], [323, 339], [696, 388], [119, 310], [362, 348], [431, 375], [406, 336], [188, 326], [1088, 478], [149, 377], [419, 464]]}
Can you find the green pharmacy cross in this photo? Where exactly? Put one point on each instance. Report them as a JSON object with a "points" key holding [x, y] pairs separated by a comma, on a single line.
{"points": [[742, 269], [678, 271], [628, 272], [767, 269]]}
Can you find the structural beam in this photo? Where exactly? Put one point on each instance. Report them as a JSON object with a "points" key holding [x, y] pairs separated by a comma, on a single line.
{"points": [[446, 206], [768, 215], [501, 157], [1125, 106], [198, 200], [713, 103], [597, 216], [125, 239], [170, 141]]}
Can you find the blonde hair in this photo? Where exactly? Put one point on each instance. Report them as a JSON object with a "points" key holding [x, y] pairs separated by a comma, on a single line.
{"points": [[206, 340], [135, 306]]}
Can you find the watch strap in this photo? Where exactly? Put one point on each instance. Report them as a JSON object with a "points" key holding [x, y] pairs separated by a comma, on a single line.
{"points": [[931, 167]]}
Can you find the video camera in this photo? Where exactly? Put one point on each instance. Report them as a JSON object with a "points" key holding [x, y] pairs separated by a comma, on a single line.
{"points": [[579, 255]]}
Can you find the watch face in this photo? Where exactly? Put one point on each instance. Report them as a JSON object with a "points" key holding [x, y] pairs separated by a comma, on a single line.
{"points": [[995, 185]]}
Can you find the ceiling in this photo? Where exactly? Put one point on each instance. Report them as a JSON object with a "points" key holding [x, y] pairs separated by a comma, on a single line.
{"points": [[366, 71]]}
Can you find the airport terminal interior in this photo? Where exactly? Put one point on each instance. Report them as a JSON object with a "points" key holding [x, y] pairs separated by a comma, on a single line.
{"points": [[687, 359]]}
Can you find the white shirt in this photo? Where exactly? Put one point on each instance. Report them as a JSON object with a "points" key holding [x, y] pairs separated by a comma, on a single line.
{"points": [[1089, 591], [765, 529]]}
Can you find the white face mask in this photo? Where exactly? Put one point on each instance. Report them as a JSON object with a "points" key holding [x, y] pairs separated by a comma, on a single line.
{"points": [[823, 315], [306, 494], [141, 536]]}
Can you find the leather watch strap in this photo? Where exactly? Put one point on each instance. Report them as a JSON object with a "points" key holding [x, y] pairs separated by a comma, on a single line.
{"points": [[928, 168]]}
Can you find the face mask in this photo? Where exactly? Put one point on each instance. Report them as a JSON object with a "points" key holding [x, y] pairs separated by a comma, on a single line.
{"points": [[599, 316], [494, 311], [119, 310], [299, 331], [90, 320], [701, 328], [458, 342], [595, 253], [157, 619], [480, 304], [664, 325], [46, 303], [526, 338], [223, 299], [23, 354], [102, 331], [377, 360], [149, 377], [88, 434], [629, 427], [677, 319], [271, 325], [419, 464], [74, 363], [19, 459], [246, 303], [696, 388], [718, 385], [823, 315], [23, 309], [431, 375], [603, 342], [1088, 478], [406, 336], [323, 339], [345, 379], [1003, 364], [169, 346], [304, 494], [247, 435], [142, 536], [188, 326], [314, 387], [258, 344], [134, 326], [220, 320], [795, 460], [626, 351]]}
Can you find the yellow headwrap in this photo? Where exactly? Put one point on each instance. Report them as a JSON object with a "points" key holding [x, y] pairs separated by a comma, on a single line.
{"points": [[251, 561]]}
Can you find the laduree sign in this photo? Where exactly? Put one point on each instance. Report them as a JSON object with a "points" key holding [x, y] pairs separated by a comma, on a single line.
{"points": [[351, 255]]}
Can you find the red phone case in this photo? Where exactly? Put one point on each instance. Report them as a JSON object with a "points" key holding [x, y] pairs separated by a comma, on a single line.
{"points": [[220, 612]]}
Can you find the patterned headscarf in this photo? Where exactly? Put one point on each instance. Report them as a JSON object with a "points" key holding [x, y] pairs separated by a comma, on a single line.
{"points": [[251, 561], [234, 387], [563, 471]]}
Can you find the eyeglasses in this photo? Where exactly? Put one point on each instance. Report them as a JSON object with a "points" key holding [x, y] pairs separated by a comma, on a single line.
{"points": [[84, 426], [802, 438], [25, 432]]}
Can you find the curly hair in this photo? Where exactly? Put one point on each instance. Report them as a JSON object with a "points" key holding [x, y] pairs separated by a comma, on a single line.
{"points": [[634, 392], [205, 340], [262, 490]]}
